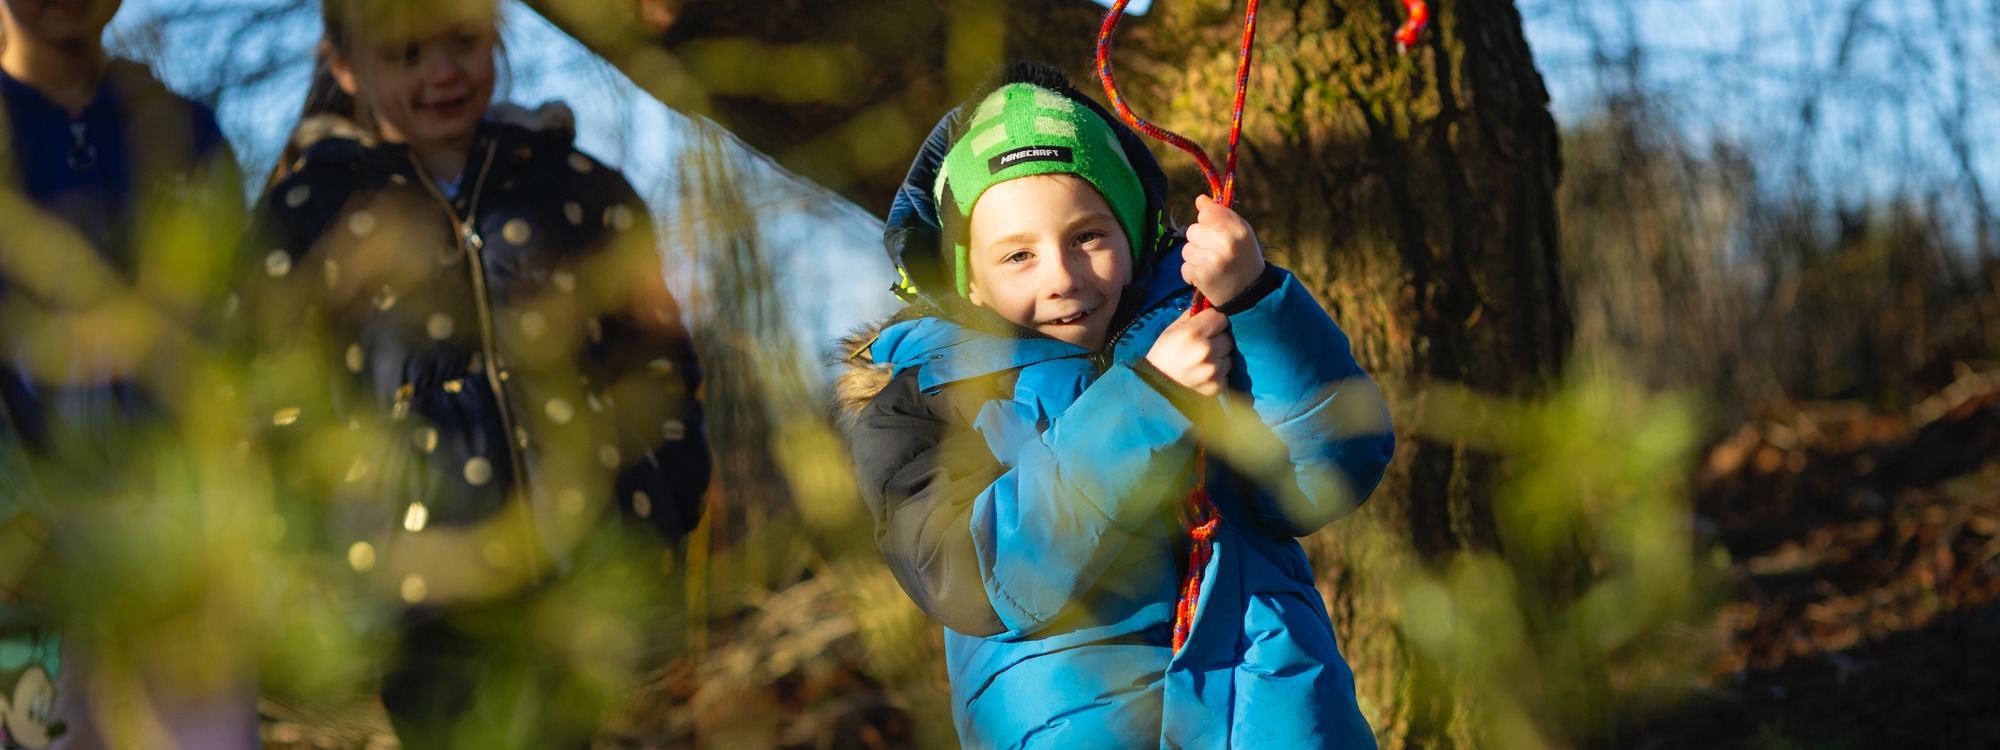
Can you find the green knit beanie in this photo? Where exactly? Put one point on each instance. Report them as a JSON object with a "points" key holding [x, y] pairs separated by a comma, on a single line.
{"points": [[1022, 130]]}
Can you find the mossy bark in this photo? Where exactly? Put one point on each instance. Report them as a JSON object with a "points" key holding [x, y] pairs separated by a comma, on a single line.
{"points": [[1414, 192]]}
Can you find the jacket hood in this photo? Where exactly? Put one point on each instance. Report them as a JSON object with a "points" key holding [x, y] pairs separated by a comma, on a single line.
{"points": [[858, 378], [551, 118], [978, 342], [941, 350], [861, 372]]}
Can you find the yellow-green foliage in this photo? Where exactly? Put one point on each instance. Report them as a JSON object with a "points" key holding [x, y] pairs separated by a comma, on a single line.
{"points": [[1595, 593]]}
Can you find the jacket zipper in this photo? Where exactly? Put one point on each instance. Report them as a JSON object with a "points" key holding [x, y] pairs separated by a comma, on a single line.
{"points": [[1105, 355], [472, 245]]}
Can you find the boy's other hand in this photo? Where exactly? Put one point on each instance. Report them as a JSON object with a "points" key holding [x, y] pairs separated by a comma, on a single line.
{"points": [[1222, 257], [1194, 351]]}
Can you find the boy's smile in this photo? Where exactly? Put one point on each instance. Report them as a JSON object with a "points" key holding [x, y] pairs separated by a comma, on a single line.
{"points": [[1047, 253]]}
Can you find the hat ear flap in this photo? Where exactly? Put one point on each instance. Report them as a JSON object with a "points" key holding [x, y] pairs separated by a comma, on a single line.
{"points": [[1163, 237], [957, 232], [919, 253]]}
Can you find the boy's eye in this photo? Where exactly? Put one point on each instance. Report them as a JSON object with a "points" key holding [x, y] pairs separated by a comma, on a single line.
{"points": [[466, 41], [1089, 236], [1018, 256]]}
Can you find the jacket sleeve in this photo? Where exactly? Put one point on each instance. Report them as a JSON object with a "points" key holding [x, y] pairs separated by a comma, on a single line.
{"points": [[649, 362], [1326, 413], [268, 322], [919, 474], [993, 551], [1046, 531]]}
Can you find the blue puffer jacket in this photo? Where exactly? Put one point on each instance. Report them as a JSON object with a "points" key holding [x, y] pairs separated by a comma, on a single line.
{"points": [[1077, 550], [1026, 493]]}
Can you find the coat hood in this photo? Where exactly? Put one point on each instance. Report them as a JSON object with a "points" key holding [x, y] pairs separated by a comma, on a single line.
{"points": [[954, 339], [550, 119], [858, 378]]}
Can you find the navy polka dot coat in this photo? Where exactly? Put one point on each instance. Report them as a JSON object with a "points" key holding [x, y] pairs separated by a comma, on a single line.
{"points": [[495, 364]]}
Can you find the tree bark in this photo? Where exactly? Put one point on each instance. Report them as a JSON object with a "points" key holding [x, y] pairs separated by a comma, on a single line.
{"points": [[1415, 193]]}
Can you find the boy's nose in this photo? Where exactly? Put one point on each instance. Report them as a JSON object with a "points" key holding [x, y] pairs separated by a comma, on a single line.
{"points": [[1065, 277]]}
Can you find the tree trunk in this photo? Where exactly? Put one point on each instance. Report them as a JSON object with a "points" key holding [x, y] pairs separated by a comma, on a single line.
{"points": [[1414, 192]]}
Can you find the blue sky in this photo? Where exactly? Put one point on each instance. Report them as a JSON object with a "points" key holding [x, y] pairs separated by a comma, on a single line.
{"points": [[1881, 80], [1723, 69]]}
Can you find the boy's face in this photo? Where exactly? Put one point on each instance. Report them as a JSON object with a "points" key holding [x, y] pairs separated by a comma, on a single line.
{"points": [[59, 22], [430, 88], [1047, 253]]}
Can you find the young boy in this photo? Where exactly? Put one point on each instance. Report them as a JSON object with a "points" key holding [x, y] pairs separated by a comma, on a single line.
{"points": [[1025, 434]]}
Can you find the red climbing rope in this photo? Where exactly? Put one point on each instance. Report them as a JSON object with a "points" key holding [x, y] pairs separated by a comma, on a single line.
{"points": [[1199, 516], [1218, 184], [1420, 16]]}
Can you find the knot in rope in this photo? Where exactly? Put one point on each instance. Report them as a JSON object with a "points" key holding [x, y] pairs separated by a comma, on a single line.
{"points": [[1204, 531]]}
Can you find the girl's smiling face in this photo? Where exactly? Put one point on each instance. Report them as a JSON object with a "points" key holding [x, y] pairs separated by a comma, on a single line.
{"points": [[1047, 253], [427, 89]]}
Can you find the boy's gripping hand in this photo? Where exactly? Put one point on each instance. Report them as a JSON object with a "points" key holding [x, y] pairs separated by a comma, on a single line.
{"points": [[1222, 257], [1194, 351]]}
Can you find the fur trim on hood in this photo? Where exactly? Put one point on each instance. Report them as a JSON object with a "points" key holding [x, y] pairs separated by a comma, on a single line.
{"points": [[321, 127], [859, 378], [551, 117]]}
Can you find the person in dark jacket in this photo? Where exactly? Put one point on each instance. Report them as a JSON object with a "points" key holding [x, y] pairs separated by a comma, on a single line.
{"points": [[95, 155], [1025, 435], [486, 302]]}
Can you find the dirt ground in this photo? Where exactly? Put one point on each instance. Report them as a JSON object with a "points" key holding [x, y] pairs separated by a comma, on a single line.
{"points": [[1867, 580]]}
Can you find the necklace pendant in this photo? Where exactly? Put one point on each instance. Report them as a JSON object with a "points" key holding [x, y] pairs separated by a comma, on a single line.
{"points": [[82, 156]]}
